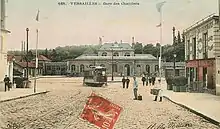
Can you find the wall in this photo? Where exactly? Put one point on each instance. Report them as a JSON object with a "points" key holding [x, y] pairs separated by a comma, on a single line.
{"points": [[217, 76], [211, 27]]}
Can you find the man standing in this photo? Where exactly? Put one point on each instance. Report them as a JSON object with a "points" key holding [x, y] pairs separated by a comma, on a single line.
{"points": [[123, 81], [6, 81], [127, 82], [143, 79], [135, 88]]}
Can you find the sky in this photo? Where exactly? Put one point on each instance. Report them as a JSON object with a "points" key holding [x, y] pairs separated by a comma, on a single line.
{"points": [[66, 25]]}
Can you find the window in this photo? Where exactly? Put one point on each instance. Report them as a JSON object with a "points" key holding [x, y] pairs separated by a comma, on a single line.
{"points": [[156, 68], [115, 69], [48, 67], [205, 52], [81, 68], [138, 65], [73, 68], [147, 69], [104, 54], [58, 67], [194, 48], [127, 54], [188, 54], [116, 54]]}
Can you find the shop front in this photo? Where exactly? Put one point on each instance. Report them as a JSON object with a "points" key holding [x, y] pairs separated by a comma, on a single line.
{"points": [[201, 71]]}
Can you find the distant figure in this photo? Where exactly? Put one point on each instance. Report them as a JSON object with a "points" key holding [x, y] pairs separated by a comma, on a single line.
{"points": [[143, 79], [127, 82], [123, 81], [150, 79], [153, 79], [147, 78], [6, 81], [135, 88], [159, 94]]}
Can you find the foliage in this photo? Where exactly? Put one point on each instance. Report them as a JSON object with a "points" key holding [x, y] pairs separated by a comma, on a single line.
{"points": [[179, 81], [169, 80], [71, 52]]}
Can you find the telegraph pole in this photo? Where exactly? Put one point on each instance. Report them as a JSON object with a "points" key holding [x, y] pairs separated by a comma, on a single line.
{"points": [[27, 29]]}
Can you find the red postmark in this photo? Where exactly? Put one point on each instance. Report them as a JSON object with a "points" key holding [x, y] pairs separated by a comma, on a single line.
{"points": [[101, 112]]}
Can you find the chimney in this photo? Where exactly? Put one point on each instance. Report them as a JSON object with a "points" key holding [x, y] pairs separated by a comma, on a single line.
{"points": [[22, 47], [121, 41]]}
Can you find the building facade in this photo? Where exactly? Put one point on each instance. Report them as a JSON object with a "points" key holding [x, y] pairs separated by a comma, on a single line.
{"points": [[3, 46], [55, 68], [118, 58], [201, 49], [168, 68]]}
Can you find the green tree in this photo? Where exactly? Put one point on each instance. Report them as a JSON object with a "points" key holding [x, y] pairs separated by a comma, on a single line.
{"points": [[138, 48]]}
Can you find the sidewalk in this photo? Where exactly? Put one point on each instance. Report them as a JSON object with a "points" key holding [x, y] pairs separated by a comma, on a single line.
{"points": [[203, 104], [17, 93]]}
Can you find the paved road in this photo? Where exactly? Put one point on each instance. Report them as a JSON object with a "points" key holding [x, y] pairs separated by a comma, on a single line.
{"points": [[60, 108]]}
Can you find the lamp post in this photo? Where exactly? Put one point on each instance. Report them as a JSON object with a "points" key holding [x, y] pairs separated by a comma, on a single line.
{"points": [[174, 65], [12, 79], [27, 30]]}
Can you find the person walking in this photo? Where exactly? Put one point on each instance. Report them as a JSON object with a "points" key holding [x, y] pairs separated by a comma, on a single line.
{"points": [[127, 82], [6, 81], [123, 81], [160, 94], [153, 79], [147, 78], [150, 79], [143, 79], [135, 88]]}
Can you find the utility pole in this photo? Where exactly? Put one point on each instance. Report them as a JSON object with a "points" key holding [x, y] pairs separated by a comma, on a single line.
{"points": [[112, 67], [27, 29]]}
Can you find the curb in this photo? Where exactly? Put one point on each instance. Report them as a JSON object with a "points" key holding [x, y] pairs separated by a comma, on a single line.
{"points": [[113, 81], [213, 121], [44, 92]]}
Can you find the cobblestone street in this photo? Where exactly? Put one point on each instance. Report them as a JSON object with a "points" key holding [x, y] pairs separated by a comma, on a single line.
{"points": [[61, 107]]}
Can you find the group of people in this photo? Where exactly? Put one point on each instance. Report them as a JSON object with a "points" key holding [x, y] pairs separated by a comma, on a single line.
{"points": [[125, 81], [148, 79], [144, 79]]}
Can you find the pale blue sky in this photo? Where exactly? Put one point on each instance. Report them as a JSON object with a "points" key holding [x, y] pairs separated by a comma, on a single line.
{"points": [[74, 25]]}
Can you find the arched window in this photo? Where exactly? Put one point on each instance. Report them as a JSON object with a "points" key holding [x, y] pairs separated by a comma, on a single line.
{"points": [[81, 68], [148, 69], [138, 65], [156, 68], [102, 65], [127, 54], [104, 54], [115, 68], [90, 65], [116, 54], [73, 68]]}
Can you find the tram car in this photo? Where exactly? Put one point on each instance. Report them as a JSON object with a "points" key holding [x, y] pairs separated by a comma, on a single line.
{"points": [[95, 76]]}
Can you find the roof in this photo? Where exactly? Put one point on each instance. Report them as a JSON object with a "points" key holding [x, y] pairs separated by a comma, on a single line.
{"points": [[42, 58], [136, 57], [167, 64], [17, 58], [201, 22], [116, 46], [30, 64]]}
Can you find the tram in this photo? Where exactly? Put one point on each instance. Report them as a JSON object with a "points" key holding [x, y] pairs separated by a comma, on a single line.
{"points": [[95, 76]]}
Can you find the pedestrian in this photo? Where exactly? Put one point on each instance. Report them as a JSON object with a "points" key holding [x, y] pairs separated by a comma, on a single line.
{"points": [[147, 78], [160, 94], [123, 81], [135, 88], [143, 79], [127, 82], [150, 79], [153, 79], [6, 81]]}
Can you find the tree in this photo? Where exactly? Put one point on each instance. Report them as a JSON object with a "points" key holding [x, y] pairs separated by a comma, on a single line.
{"points": [[138, 48], [178, 38], [46, 53]]}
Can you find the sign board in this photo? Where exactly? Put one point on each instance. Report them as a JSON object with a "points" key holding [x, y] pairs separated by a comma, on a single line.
{"points": [[101, 112]]}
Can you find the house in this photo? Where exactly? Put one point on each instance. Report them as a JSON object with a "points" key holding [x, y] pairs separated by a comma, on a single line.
{"points": [[202, 48], [42, 60]]}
